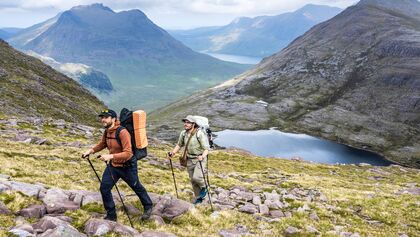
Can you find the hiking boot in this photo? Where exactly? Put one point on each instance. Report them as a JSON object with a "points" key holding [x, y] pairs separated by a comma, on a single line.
{"points": [[198, 201], [147, 213], [110, 218], [203, 193]]}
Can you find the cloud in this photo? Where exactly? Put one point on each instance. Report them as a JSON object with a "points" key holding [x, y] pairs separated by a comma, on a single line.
{"points": [[166, 13], [197, 6]]}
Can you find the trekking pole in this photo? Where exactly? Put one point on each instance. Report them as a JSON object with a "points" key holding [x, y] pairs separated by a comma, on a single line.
{"points": [[93, 168], [207, 173], [207, 186], [173, 176], [119, 194]]}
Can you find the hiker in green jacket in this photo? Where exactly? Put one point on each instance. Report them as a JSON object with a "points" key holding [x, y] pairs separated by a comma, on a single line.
{"points": [[196, 150]]}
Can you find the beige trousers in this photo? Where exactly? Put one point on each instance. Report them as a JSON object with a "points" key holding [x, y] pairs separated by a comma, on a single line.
{"points": [[196, 175]]}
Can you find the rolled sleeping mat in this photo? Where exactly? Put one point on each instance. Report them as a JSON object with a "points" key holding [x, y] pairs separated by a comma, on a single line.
{"points": [[139, 123]]}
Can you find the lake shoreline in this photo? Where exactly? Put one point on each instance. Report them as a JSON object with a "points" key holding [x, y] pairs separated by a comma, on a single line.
{"points": [[274, 143]]}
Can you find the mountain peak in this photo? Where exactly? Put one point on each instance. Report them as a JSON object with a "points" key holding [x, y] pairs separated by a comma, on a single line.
{"points": [[95, 6], [310, 6], [241, 20], [134, 12]]}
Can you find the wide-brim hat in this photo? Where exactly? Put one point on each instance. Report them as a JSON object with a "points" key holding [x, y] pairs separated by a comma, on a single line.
{"points": [[189, 118]]}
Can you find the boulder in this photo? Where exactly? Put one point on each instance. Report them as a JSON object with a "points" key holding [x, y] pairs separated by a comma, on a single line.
{"points": [[256, 200], [61, 207], [82, 197], [246, 196], [132, 210], [62, 231], [155, 197], [55, 195], [277, 214], [238, 231], [223, 207], [22, 230], [57, 201], [33, 211], [410, 191], [62, 217], [47, 223], [27, 227], [275, 204], [157, 219], [32, 190], [291, 231], [4, 209], [311, 229], [273, 196], [169, 207], [100, 227], [124, 230], [20, 233], [264, 210], [249, 208]]}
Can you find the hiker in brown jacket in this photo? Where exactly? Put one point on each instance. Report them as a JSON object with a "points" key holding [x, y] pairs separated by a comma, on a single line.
{"points": [[118, 158]]}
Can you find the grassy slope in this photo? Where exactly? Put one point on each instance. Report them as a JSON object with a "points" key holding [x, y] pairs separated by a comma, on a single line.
{"points": [[149, 85], [31, 88], [349, 189]]}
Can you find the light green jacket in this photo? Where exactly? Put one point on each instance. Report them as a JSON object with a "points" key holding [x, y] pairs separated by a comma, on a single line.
{"points": [[199, 142]]}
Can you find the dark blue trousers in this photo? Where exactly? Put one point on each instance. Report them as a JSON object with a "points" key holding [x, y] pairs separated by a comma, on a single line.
{"points": [[130, 176]]}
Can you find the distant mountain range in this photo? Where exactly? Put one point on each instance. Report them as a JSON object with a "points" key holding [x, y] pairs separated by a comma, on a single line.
{"points": [[147, 67], [258, 37], [354, 79], [30, 88]]}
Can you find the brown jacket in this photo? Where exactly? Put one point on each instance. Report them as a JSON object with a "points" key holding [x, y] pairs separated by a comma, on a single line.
{"points": [[121, 153]]}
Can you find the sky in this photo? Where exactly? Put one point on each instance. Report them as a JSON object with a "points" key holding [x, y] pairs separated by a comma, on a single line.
{"points": [[169, 14]]}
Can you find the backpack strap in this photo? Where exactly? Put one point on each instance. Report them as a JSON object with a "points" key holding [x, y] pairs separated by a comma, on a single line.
{"points": [[117, 134], [184, 155], [198, 140]]}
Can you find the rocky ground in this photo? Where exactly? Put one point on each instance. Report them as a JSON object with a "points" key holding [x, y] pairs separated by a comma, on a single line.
{"points": [[47, 190]]}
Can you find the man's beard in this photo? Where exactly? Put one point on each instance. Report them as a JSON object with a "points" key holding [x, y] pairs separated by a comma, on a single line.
{"points": [[108, 125]]}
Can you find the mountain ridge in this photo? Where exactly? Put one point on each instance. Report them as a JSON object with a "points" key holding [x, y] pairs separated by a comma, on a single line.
{"points": [[131, 50], [258, 36], [352, 79]]}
